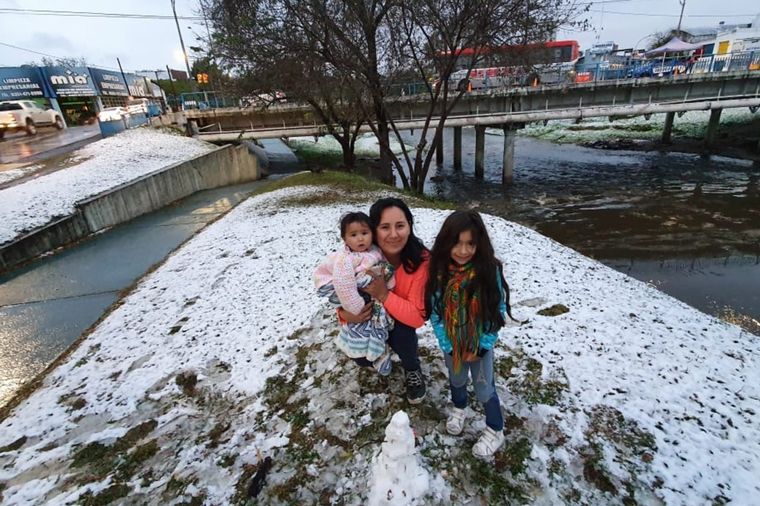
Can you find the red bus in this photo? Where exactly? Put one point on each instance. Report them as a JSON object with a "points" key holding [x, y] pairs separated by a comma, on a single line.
{"points": [[542, 53]]}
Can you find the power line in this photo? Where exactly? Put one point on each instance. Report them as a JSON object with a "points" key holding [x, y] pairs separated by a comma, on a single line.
{"points": [[721, 16], [46, 54], [91, 14]]}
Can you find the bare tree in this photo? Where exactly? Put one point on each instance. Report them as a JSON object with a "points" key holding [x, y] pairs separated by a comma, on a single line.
{"points": [[264, 44], [370, 45]]}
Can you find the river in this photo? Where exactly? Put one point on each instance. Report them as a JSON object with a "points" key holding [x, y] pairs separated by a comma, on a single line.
{"points": [[687, 224]]}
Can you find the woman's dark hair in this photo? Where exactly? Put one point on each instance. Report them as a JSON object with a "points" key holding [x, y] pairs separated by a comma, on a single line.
{"points": [[350, 218], [488, 269], [412, 253]]}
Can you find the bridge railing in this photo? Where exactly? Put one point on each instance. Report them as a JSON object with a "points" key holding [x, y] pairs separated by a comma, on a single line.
{"points": [[664, 67]]}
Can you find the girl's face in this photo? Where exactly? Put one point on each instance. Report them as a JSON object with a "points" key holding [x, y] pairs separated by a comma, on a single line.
{"points": [[392, 231], [358, 236], [464, 250]]}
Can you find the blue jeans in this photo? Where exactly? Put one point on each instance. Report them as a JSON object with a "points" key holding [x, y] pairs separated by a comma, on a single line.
{"points": [[485, 387], [403, 340]]}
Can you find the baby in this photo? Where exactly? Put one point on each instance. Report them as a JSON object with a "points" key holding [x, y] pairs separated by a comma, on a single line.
{"points": [[340, 278]]}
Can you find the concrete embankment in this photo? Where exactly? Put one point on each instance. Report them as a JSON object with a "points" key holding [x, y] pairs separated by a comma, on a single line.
{"points": [[221, 167]]}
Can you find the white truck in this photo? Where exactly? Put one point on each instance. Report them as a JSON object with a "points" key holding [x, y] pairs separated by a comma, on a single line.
{"points": [[18, 115]]}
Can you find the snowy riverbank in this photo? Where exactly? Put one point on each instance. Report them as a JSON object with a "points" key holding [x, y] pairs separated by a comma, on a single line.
{"points": [[223, 356], [90, 170]]}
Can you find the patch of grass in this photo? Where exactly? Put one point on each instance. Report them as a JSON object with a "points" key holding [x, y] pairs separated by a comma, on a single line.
{"points": [[187, 380], [241, 486], [524, 374], [107, 496], [227, 460], [14, 445], [555, 310], [633, 448], [91, 454], [175, 486], [130, 462], [514, 456], [216, 433], [492, 482], [350, 186], [271, 351], [99, 460], [134, 434]]}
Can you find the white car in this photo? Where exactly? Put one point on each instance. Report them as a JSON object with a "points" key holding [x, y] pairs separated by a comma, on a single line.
{"points": [[25, 115], [112, 114]]}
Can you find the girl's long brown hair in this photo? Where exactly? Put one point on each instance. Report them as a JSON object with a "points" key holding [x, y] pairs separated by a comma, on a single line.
{"points": [[488, 269]]}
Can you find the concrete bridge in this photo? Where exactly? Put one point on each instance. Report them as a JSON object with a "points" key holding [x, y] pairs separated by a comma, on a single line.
{"points": [[510, 109]]}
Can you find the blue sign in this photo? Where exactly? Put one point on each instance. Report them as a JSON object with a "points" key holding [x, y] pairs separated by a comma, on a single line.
{"points": [[20, 83], [109, 83], [137, 86], [70, 81]]}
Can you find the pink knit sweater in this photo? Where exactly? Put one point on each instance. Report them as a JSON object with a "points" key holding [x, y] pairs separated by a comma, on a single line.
{"points": [[341, 268]]}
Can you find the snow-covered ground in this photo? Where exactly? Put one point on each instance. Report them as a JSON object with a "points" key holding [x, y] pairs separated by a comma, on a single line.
{"points": [[691, 124], [366, 145], [7, 176], [223, 356], [92, 169]]}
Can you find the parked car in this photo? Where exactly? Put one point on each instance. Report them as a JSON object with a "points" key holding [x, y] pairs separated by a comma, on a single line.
{"points": [[112, 114], [25, 115]]}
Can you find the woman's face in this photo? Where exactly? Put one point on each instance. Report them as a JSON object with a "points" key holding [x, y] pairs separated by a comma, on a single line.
{"points": [[392, 231]]}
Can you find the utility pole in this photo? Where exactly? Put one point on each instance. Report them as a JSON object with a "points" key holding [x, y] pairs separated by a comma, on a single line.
{"points": [[181, 42], [683, 4], [126, 83]]}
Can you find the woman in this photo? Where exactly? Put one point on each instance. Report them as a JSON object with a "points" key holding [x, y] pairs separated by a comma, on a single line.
{"points": [[392, 223]]}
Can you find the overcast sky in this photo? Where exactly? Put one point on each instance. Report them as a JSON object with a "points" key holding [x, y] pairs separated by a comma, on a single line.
{"points": [[153, 43]]}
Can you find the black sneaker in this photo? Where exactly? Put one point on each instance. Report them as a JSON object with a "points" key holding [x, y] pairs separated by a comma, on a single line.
{"points": [[415, 386]]}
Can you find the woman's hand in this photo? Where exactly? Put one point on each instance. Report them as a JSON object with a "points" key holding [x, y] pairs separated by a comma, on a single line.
{"points": [[363, 315], [377, 289]]}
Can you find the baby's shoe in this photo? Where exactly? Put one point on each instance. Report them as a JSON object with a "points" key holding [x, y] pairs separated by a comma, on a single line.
{"points": [[490, 441], [455, 423]]}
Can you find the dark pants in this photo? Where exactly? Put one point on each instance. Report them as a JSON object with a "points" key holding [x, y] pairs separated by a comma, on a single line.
{"points": [[402, 340]]}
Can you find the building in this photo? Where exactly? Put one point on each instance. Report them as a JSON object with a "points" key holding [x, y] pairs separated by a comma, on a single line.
{"points": [[78, 93]]}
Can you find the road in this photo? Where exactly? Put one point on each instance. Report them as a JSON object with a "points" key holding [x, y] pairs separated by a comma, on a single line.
{"points": [[19, 149]]}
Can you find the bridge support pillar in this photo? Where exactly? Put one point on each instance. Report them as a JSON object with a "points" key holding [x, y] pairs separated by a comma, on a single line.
{"points": [[439, 147], [667, 130], [458, 148], [480, 148], [508, 156], [712, 127]]}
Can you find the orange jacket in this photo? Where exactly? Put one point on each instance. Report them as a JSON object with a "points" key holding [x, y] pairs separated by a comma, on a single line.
{"points": [[406, 302]]}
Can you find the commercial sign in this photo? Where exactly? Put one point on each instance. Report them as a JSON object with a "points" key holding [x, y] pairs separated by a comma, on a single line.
{"points": [[70, 81], [137, 86], [109, 83], [21, 82]]}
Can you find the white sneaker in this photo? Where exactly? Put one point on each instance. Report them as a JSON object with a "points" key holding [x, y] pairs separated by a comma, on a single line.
{"points": [[490, 441], [455, 423]]}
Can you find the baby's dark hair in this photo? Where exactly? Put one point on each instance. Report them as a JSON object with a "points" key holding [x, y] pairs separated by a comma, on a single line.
{"points": [[350, 218]]}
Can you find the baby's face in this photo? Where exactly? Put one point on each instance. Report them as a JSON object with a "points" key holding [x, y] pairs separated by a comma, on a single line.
{"points": [[358, 236]]}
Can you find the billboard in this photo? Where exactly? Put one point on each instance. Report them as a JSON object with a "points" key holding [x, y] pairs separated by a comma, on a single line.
{"points": [[109, 83], [70, 81], [138, 87], [18, 83]]}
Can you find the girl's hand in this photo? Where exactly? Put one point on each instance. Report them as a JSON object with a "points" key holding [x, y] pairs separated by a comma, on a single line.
{"points": [[377, 289], [363, 315]]}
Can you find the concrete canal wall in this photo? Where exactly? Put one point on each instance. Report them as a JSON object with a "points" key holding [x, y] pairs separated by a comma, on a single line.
{"points": [[224, 166]]}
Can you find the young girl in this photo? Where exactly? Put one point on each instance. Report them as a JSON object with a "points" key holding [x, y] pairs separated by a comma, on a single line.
{"points": [[340, 278], [466, 298]]}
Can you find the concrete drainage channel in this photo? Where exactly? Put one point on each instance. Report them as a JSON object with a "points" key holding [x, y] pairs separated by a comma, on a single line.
{"points": [[47, 304], [228, 165]]}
